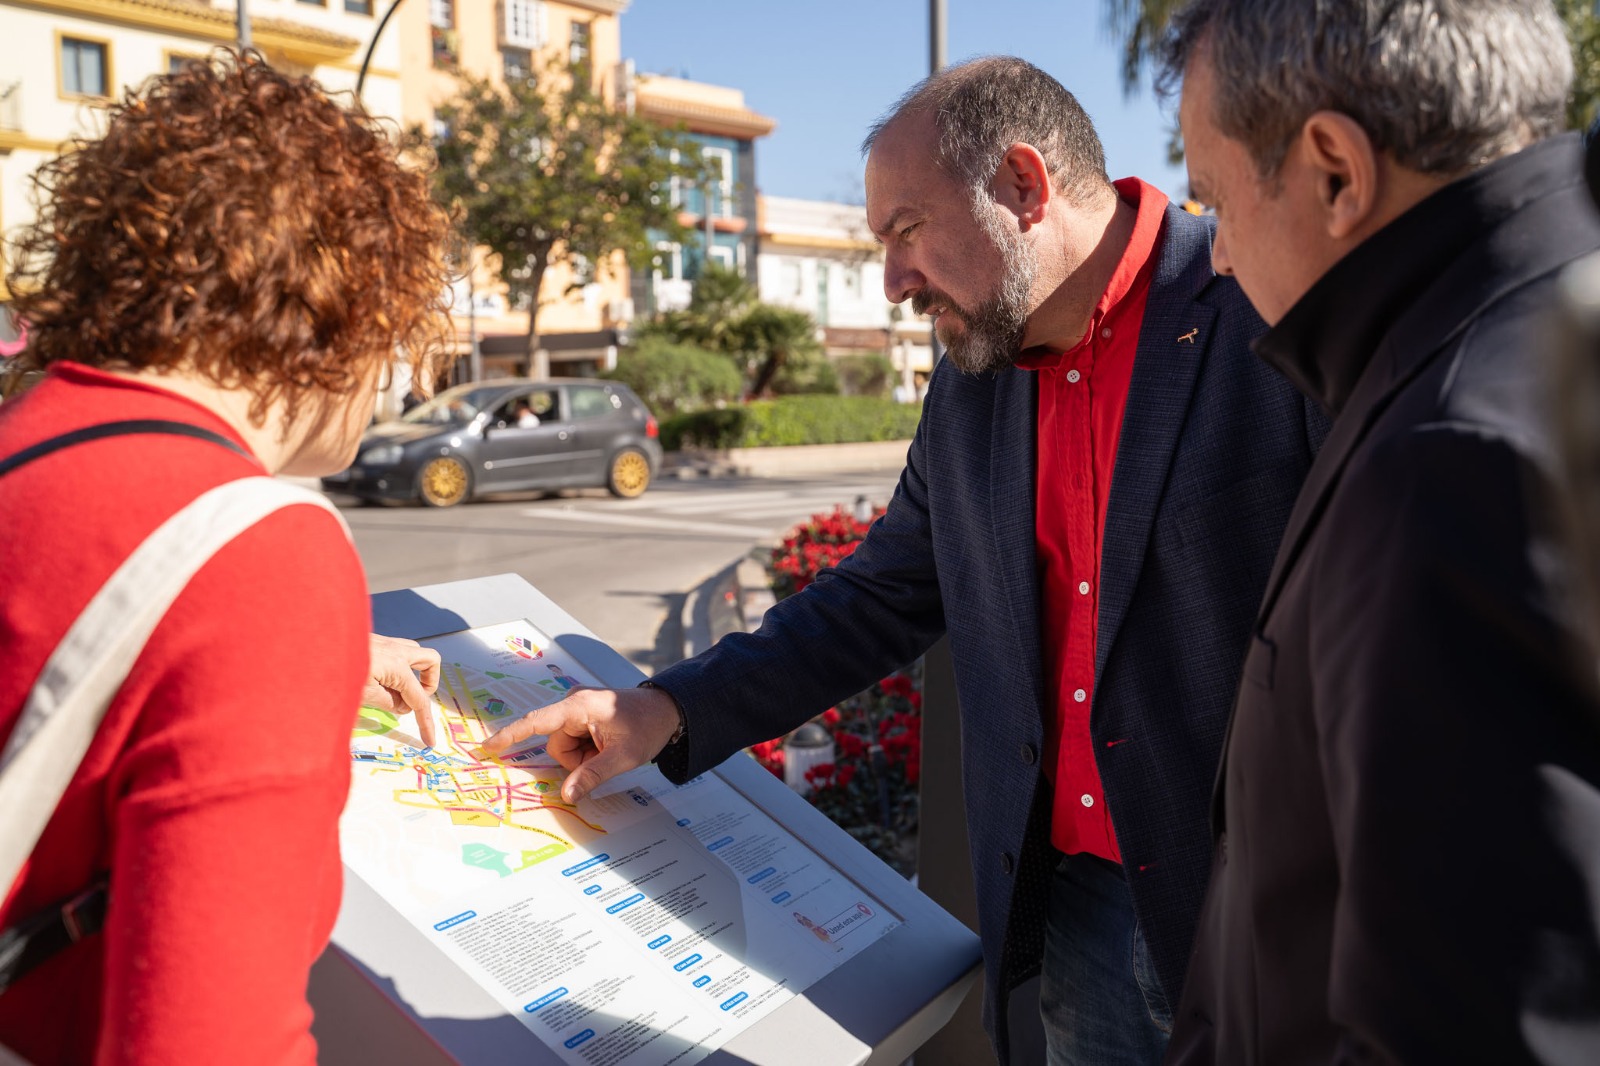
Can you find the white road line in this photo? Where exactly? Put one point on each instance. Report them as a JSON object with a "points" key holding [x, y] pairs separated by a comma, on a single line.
{"points": [[666, 525]]}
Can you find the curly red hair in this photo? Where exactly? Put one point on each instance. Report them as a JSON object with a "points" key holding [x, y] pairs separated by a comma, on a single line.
{"points": [[239, 222]]}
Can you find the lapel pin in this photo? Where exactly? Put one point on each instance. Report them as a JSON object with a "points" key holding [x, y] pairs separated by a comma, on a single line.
{"points": [[1190, 336]]}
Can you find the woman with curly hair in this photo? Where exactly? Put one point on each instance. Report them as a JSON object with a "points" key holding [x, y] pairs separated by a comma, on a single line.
{"points": [[240, 255]]}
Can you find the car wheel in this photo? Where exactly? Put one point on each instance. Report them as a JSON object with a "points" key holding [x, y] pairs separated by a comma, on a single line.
{"points": [[629, 475], [444, 482]]}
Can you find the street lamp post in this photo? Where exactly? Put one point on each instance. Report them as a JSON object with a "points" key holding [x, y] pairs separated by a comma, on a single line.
{"points": [[243, 23], [372, 45]]}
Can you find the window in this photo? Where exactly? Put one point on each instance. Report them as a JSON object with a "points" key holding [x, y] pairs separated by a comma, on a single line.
{"points": [[669, 266], [442, 14], [591, 403], [522, 23], [517, 63], [578, 52], [790, 283], [85, 67], [723, 255], [358, 7], [527, 411], [314, 3], [176, 62], [720, 163]]}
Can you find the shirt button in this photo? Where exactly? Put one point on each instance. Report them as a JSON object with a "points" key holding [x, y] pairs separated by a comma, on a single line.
{"points": [[1073, 376], [1106, 333], [1006, 862], [1083, 587], [1088, 800], [1080, 695], [1029, 754]]}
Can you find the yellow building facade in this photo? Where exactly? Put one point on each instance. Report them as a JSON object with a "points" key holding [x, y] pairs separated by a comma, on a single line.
{"points": [[67, 58], [440, 40]]}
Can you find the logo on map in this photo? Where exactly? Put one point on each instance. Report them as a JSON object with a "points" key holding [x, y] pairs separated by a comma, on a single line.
{"points": [[524, 647]]}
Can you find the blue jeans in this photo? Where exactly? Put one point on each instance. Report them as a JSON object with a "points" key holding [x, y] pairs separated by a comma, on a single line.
{"points": [[1098, 994]]}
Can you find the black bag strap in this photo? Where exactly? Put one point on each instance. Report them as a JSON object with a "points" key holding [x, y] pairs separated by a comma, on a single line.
{"points": [[51, 930], [114, 429], [57, 927]]}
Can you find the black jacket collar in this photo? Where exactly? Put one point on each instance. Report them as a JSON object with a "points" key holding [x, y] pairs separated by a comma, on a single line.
{"points": [[1325, 341]]}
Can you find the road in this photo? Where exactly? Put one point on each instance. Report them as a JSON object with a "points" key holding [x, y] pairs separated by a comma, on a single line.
{"points": [[621, 567]]}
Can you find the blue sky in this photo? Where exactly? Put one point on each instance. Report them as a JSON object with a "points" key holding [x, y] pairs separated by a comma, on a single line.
{"points": [[825, 69]]}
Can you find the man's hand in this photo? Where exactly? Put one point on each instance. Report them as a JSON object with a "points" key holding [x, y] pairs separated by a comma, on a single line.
{"points": [[395, 685], [596, 733]]}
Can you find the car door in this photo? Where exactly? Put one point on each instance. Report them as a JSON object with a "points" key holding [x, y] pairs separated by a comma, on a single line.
{"points": [[599, 426], [527, 442]]}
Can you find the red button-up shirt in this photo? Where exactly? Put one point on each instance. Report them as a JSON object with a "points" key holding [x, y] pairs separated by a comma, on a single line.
{"points": [[1082, 394]]}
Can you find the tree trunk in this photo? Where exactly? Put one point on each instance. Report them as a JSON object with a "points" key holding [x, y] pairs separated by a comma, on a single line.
{"points": [[769, 370], [538, 359]]}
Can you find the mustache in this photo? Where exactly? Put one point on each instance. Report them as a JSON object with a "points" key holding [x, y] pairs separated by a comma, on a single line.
{"points": [[934, 298]]}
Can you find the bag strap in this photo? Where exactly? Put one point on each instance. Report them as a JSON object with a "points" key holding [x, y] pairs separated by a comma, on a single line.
{"points": [[114, 429]]}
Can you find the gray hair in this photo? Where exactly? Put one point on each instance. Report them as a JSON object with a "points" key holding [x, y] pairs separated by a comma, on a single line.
{"points": [[984, 106], [1443, 86]]}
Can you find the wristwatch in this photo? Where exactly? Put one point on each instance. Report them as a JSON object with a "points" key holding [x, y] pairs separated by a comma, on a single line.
{"points": [[683, 722]]}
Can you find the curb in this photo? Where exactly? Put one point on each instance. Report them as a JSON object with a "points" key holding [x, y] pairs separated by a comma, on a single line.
{"points": [[732, 600], [786, 461]]}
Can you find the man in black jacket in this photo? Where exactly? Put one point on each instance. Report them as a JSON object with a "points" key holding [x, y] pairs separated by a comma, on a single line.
{"points": [[1401, 872]]}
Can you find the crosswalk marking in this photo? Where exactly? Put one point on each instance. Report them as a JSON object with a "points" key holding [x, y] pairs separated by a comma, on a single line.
{"points": [[639, 521]]}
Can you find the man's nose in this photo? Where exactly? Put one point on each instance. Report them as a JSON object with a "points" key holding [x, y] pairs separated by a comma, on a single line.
{"points": [[900, 280], [1220, 260]]}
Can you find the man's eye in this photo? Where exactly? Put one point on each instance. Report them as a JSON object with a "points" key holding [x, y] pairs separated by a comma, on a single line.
{"points": [[907, 231]]}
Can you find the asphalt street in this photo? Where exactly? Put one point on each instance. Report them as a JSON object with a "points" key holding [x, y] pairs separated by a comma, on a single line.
{"points": [[621, 567]]}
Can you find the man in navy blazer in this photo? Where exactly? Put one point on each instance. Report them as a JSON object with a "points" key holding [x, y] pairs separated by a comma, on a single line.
{"points": [[987, 187]]}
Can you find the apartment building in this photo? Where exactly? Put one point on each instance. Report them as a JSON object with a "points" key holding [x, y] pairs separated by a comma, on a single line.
{"points": [[581, 313], [723, 212], [67, 58], [819, 257]]}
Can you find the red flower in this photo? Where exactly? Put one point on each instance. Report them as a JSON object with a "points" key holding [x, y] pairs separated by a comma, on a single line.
{"points": [[830, 717]]}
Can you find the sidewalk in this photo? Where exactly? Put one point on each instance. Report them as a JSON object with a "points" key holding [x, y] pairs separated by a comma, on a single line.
{"points": [[787, 461]]}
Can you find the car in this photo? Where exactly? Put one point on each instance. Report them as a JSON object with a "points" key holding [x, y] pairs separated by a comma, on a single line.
{"points": [[508, 435]]}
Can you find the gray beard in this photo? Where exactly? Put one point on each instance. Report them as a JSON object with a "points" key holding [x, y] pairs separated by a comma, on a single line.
{"points": [[994, 330]]}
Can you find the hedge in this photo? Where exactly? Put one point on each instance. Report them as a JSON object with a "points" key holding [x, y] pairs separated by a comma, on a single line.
{"points": [[671, 378], [793, 420]]}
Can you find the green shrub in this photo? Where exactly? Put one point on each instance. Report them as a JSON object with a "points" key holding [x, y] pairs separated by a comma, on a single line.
{"points": [[802, 375], [793, 420], [675, 378], [865, 374]]}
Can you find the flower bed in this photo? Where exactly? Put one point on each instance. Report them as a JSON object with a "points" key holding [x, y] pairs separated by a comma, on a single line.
{"points": [[822, 542], [870, 787]]}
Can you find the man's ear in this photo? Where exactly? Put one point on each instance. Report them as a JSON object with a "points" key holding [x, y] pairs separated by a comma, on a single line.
{"points": [[1022, 184], [1343, 166]]}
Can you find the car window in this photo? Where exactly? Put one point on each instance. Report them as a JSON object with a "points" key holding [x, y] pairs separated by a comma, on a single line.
{"points": [[453, 406], [527, 409], [593, 403]]}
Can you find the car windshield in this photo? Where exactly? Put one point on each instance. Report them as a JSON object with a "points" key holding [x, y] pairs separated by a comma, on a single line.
{"points": [[456, 406]]}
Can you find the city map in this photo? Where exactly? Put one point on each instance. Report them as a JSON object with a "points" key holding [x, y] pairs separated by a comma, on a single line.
{"points": [[645, 925], [469, 820]]}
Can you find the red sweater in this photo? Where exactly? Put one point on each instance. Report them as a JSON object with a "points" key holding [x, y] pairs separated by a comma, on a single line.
{"points": [[213, 792]]}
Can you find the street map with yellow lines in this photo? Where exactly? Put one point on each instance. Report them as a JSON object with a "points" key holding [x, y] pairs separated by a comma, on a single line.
{"points": [[644, 926], [468, 820]]}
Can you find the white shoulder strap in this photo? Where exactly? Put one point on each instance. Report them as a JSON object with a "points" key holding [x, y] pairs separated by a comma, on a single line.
{"points": [[83, 674]]}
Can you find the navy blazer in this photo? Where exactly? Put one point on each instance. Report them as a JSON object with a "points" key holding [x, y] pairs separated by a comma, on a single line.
{"points": [[1213, 449]]}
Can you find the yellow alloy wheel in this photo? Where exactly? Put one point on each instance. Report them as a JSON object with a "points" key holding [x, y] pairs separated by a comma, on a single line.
{"points": [[630, 473], [444, 482]]}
